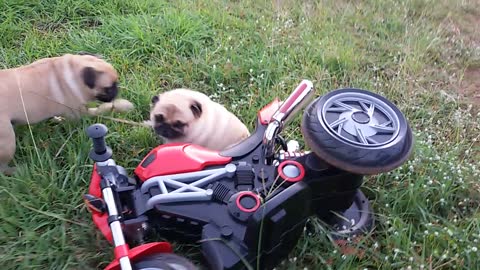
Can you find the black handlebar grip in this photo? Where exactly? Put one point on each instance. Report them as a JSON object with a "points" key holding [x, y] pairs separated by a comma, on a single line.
{"points": [[100, 152]]}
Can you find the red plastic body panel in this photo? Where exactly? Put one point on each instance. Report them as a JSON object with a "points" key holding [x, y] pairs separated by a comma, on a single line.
{"points": [[266, 113], [177, 158], [99, 219], [142, 251]]}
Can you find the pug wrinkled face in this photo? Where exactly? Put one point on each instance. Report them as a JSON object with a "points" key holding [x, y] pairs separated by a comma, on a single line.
{"points": [[171, 118], [101, 78]]}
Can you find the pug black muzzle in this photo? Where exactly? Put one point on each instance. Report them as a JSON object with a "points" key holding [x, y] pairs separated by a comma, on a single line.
{"points": [[108, 94], [167, 131]]}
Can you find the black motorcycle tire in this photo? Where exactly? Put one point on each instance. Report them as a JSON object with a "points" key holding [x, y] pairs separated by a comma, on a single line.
{"points": [[351, 157]]}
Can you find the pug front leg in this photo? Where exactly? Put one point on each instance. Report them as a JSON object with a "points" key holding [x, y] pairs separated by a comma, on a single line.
{"points": [[7, 146], [118, 105], [148, 123], [93, 111]]}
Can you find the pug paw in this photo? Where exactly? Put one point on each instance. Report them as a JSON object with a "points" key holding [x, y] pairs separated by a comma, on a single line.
{"points": [[58, 119], [122, 105], [8, 171], [118, 105], [92, 111], [147, 123], [102, 109]]}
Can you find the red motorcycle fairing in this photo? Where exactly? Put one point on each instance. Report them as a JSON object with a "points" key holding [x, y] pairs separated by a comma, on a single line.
{"points": [[267, 112], [175, 158], [100, 219]]}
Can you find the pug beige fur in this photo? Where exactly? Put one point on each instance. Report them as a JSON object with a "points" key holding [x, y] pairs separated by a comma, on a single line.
{"points": [[56, 86], [185, 115]]}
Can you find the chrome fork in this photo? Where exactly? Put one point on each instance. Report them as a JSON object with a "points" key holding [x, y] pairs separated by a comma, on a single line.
{"points": [[297, 100]]}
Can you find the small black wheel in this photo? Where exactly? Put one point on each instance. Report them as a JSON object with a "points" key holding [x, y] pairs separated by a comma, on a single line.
{"points": [[357, 131], [357, 220], [164, 261]]}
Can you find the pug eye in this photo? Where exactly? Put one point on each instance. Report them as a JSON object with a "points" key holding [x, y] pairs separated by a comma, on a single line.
{"points": [[159, 118], [178, 124]]}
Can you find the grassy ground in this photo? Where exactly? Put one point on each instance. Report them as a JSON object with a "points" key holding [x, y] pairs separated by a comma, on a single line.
{"points": [[244, 53]]}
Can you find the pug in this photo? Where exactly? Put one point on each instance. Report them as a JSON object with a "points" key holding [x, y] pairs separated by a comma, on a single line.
{"points": [[185, 115], [51, 87]]}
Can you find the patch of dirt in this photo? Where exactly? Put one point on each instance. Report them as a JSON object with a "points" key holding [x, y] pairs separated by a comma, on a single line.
{"points": [[466, 28], [470, 29], [471, 83], [470, 86]]}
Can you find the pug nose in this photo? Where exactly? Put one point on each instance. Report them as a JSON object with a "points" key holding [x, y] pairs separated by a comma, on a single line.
{"points": [[159, 118]]}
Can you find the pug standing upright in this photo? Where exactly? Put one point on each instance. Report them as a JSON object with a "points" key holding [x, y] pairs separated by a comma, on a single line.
{"points": [[184, 115], [57, 86]]}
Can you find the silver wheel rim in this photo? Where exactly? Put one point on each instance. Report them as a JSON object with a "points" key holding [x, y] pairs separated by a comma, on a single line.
{"points": [[360, 119]]}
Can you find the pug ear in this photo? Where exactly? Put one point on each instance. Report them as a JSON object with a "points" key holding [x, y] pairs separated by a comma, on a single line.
{"points": [[155, 99], [196, 109], [89, 76]]}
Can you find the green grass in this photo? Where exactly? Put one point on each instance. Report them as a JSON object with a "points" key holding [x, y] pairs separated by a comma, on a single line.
{"points": [[244, 54]]}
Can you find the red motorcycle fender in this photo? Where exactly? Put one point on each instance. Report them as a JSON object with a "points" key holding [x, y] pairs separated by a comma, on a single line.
{"points": [[141, 251]]}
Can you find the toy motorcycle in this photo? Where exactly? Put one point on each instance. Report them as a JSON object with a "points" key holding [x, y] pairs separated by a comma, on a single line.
{"points": [[248, 205]]}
